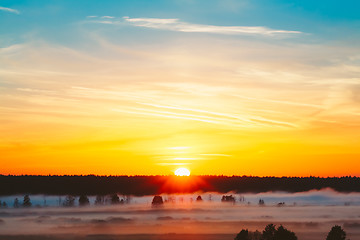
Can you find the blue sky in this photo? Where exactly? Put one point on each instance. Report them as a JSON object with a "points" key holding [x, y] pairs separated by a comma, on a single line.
{"points": [[59, 20]]}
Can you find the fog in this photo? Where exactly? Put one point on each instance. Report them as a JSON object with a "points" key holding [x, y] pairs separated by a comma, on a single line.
{"points": [[310, 215]]}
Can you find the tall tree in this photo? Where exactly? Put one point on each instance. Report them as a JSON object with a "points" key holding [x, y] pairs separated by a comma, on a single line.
{"points": [[157, 200], [114, 199], [99, 200], [269, 232], [69, 201], [243, 235], [336, 233], [255, 235], [83, 200], [284, 234], [26, 201]]}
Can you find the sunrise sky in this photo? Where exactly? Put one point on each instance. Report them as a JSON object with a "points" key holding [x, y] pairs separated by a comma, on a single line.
{"points": [[260, 87]]}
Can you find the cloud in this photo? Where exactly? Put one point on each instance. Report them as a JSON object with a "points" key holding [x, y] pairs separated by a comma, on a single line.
{"points": [[173, 164], [174, 24], [9, 10], [219, 117], [215, 154]]}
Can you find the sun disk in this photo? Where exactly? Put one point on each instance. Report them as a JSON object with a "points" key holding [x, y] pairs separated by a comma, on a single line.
{"points": [[182, 172]]}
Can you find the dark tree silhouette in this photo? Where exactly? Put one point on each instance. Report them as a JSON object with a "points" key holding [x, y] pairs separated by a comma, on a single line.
{"points": [[4, 205], [69, 201], [16, 203], [157, 200], [228, 198], [261, 202], [284, 234], [26, 201], [199, 198], [336, 233], [269, 232], [243, 235], [99, 200], [114, 198], [248, 235], [151, 185], [255, 235], [83, 200]]}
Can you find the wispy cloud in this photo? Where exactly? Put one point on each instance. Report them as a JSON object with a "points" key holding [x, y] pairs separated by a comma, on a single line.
{"points": [[171, 115], [177, 25], [173, 164], [215, 154], [9, 10], [224, 118], [281, 102], [174, 24]]}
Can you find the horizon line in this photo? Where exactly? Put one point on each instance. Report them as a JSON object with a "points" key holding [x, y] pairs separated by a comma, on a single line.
{"points": [[169, 175]]}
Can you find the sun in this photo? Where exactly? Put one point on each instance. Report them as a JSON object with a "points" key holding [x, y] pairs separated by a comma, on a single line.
{"points": [[182, 172]]}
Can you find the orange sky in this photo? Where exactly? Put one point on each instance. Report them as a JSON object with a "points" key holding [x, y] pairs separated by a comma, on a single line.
{"points": [[148, 95], [253, 119]]}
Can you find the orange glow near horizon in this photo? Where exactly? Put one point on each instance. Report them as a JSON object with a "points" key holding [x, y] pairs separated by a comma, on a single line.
{"points": [[206, 152], [181, 184]]}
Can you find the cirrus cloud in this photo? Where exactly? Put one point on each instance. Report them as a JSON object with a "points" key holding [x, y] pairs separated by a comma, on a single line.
{"points": [[174, 24], [9, 10]]}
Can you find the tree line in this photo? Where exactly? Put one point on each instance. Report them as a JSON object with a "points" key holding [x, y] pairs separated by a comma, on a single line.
{"points": [[281, 233], [70, 201], [151, 185]]}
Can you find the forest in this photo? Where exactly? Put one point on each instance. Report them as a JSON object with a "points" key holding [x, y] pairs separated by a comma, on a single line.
{"points": [[150, 185]]}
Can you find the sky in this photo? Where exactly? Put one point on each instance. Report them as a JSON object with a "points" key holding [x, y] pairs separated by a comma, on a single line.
{"points": [[221, 87]]}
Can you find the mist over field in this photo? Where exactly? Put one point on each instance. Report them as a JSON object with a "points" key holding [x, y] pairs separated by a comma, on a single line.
{"points": [[309, 214]]}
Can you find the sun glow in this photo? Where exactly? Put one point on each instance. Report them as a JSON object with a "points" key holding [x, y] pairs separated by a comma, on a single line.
{"points": [[182, 172], [179, 148]]}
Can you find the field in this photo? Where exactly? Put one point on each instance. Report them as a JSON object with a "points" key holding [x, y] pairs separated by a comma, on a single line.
{"points": [[309, 214]]}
